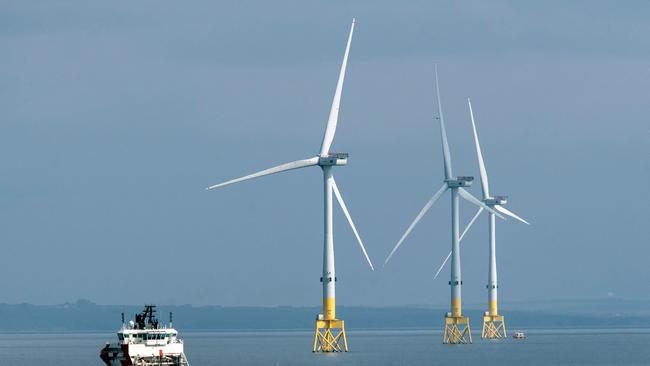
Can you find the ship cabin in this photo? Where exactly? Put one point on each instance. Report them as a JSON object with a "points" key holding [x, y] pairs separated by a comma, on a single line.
{"points": [[146, 330], [148, 337]]}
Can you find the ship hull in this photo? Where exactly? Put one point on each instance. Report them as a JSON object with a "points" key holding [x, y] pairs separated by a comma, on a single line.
{"points": [[114, 355]]}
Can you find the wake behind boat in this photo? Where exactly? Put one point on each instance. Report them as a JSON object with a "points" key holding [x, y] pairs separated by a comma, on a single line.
{"points": [[145, 342]]}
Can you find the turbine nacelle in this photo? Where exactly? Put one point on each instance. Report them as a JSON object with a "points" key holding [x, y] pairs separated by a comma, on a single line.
{"points": [[333, 159], [459, 182], [496, 200]]}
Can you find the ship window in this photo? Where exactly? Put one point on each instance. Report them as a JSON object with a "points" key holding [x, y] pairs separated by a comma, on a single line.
{"points": [[120, 336]]}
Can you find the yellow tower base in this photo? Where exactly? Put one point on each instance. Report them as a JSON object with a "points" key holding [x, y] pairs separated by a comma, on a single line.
{"points": [[330, 336], [494, 327], [457, 330]]}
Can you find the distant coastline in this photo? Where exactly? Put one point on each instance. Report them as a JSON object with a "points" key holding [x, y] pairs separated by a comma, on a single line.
{"points": [[84, 315]]}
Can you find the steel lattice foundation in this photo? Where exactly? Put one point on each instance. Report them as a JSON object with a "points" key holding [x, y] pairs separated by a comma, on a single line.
{"points": [[494, 327], [330, 336], [457, 330]]}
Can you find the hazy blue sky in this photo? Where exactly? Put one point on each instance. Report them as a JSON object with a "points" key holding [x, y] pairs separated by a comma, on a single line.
{"points": [[114, 117]]}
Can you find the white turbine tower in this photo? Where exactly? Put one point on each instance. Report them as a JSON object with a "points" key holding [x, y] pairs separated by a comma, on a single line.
{"points": [[493, 323], [330, 331], [457, 329]]}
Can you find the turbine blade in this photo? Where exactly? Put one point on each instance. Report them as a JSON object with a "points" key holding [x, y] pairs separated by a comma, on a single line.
{"points": [[507, 212], [337, 193], [481, 164], [417, 219], [280, 168], [443, 132], [469, 198], [336, 102], [471, 222], [442, 265]]}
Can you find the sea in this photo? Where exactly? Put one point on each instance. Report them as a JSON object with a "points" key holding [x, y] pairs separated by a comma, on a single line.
{"points": [[376, 348]]}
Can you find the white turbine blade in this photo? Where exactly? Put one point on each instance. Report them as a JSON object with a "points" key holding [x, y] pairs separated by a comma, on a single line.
{"points": [[337, 193], [469, 198], [481, 164], [336, 102], [471, 222], [460, 240], [417, 219], [507, 212], [443, 132], [442, 265], [280, 168]]}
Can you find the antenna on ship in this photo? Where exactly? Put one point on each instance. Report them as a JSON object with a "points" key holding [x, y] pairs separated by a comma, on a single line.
{"points": [[171, 318], [122, 318]]}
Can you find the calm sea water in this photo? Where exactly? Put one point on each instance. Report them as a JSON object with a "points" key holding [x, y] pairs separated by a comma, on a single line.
{"points": [[377, 348]]}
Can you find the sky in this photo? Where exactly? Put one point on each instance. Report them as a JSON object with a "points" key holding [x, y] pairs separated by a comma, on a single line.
{"points": [[115, 116]]}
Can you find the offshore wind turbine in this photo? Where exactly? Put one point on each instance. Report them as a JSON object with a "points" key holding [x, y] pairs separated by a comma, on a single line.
{"points": [[493, 323], [330, 331], [457, 329]]}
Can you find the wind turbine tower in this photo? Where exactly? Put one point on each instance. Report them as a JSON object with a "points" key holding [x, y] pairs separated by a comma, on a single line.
{"points": [[330, 331], [457, 329], [493, 322]]}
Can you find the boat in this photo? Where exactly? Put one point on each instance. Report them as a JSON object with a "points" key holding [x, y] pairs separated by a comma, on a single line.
{"points": [[519, 335], [144, 341]]}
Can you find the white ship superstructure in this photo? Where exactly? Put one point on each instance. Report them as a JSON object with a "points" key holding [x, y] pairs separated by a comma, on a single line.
{"points": [[145, 342]]}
